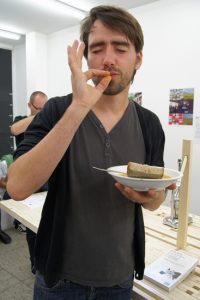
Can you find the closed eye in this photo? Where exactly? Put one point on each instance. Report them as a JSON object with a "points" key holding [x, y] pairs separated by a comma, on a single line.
{"points": [[121, 50], [96, 51]]}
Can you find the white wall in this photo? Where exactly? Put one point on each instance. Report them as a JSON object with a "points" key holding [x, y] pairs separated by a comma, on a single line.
{"points": [[29, 70], [59, 82], [19, 80], [36, 62], [171, 60]]}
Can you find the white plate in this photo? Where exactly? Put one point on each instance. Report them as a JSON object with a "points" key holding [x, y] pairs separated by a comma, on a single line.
{"points": [[142, 184]]}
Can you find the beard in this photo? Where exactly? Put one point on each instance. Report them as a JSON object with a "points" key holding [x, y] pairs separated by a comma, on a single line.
{"points": [[116, 86]]}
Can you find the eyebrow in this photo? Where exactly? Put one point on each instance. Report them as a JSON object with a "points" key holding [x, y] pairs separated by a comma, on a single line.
{"points": [[115, 43]]}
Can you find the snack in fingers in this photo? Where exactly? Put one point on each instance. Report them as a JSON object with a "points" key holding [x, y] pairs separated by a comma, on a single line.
{"points": [[144, 171]]}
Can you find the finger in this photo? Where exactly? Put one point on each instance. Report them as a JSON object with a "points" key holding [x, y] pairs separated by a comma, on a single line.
{"points": [[75, 54], [91, 73], [134, 196], [72, 49], [103, 84], [126, 191], [171, 187], [80, 54], [152, 192], [71, 60], [75, 44], [121, 188]]}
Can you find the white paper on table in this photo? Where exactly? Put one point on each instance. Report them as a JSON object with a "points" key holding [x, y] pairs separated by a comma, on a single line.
{"points": [[35, 200]]}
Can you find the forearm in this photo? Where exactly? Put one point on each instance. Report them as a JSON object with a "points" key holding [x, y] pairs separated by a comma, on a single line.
{"points": [[21, 126], [30, 171]]}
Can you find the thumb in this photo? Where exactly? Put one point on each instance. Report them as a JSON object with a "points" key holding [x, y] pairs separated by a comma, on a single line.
{"points": [[103, 84]]}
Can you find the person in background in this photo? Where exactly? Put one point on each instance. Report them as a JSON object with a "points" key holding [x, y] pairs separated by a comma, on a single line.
{"points": [[20, 123], [5, 162], [36, 102], [90, 241]]}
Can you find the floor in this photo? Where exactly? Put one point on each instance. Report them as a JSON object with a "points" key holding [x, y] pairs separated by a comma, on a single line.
{"points": [[16, 279]]}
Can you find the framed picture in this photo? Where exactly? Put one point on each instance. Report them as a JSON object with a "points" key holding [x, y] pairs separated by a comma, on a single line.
{"points": [[181, 105]]}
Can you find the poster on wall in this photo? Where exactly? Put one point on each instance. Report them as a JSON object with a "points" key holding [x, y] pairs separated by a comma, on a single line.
{"points": [[137, 97], [181, 106]]}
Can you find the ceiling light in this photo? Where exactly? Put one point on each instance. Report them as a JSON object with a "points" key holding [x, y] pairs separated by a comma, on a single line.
{"points": [[79, 4], [9, 35]]}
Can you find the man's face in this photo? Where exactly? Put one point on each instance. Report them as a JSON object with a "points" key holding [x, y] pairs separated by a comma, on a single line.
{"points": [[112, 51], [37, 105]]}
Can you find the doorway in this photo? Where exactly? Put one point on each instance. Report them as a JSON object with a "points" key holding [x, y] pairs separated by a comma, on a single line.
{"points": [[6, 102]]}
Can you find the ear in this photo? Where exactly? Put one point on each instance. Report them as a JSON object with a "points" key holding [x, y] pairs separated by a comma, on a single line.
{"points": [[139, 57], [29, 104]]}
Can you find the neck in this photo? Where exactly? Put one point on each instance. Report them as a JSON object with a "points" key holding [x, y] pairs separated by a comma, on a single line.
{"points": [[110, 109], [115, 104]]}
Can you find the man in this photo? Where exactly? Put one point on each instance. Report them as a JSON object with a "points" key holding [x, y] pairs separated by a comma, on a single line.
{"points": [[90, 242], [36, 102], [20, 124]]}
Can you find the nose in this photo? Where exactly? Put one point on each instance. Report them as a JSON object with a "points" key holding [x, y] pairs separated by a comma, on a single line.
{"points": [[109, 57]]}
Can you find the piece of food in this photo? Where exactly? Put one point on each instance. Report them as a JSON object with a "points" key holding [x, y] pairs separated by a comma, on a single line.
{"points": [[144, 171]]}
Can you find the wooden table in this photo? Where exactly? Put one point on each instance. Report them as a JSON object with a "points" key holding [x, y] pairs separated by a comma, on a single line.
{"points": [[159, 239], [22, 210]]}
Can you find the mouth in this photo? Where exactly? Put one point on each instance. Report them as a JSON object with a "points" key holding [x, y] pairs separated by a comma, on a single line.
{"points": [[114, 74]]}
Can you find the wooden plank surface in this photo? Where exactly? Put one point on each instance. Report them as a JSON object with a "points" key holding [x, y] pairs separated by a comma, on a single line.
{"points": [[184, 194], [30, 217], [159, 239]]}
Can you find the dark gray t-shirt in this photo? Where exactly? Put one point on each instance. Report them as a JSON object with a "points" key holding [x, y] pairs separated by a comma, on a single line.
{"points": [[99, 225]]}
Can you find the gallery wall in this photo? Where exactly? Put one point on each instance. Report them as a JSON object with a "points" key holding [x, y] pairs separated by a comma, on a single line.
{"points": [[171, 61], [19, 80]]}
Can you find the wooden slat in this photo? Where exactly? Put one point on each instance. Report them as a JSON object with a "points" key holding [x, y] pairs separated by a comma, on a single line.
{"points": [[184, 195], [159, 239]]}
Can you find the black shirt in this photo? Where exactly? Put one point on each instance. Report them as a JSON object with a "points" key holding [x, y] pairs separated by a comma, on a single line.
{"points": [[19, 137], [49, 255]]}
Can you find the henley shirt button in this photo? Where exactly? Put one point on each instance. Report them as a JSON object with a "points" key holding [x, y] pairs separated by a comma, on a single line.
{"points": [[107, 144], [101, 126]]}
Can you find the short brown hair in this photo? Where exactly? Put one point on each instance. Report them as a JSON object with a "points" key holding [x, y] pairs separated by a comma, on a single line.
{"points": [[34, 94], [116, 18]]}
